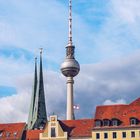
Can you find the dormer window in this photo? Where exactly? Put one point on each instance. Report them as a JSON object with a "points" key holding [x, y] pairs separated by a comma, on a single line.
{"points": [[133, 121], [97, 123], [115, 122], [1, 133], [7, 134], [106, 122], [15, 134]]}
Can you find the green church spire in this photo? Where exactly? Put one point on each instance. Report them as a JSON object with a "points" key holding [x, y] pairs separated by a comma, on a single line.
{"points": [[31, 112], [39, 117]]}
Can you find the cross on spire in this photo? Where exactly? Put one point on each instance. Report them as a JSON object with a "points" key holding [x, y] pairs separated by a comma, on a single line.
{"points": [[41, 50]]}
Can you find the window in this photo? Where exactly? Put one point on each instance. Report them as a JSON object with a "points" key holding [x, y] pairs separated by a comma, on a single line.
{"points": [[105, 135], [7, 134], [106, 122], [53, 133], [132, 134], [97, 123], [114, 135], [15, 134], [1, 133], [115, 122], [133, 121], [97, 135], [123, 134]]}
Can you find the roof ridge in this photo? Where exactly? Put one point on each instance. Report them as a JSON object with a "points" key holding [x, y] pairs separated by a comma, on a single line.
{"points": [[78, 120], [112, 105]]}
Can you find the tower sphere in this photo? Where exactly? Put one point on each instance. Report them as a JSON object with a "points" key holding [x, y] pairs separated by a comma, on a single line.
{"points": [[70, 67]]}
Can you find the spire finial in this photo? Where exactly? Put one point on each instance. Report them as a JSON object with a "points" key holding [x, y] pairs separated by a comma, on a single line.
{"points": [[41, 50], [70, 22]]}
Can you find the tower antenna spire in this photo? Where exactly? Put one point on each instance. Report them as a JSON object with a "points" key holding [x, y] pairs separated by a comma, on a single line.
{"points": [[70, 23]]}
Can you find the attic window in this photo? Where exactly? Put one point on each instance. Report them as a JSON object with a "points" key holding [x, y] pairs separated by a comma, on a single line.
{"points": [[98, 123], [15, 134], [1, 133], [7, 134], [106, 122], [133, 121], [115, 122]]}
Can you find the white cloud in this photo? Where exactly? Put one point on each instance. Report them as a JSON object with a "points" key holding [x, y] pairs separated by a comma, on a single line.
{"points": [[111, 83], [110, 102], [127, 10], [119, 34], [115, 46], [7, 33], [11, 69], [14, 108]]}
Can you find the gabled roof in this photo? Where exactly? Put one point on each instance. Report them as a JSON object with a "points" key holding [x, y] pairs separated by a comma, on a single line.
{"points": [[121, 112], [75, 128], [11, 131], [78, 128]]}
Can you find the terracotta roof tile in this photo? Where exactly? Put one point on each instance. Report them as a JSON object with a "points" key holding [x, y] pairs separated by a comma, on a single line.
{"points": [[121, 112], [78, 128], [75, 128], [33, 134], [11, 131]]}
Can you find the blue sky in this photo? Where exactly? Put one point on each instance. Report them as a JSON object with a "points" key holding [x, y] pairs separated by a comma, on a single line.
{"points": [[106, 34]]}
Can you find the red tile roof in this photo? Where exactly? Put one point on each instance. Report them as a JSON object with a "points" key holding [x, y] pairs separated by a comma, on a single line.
{"points": [[33, 134], [75, 128], [78, 128], [11, 131], [121, 112]]}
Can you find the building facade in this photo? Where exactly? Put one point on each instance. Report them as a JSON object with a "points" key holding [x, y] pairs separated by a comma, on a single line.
{"points": [[117, 122], [67, 129]]}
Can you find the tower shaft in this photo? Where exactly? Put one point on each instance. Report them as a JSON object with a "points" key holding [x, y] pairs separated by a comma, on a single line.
{"points": [[70, 111]]}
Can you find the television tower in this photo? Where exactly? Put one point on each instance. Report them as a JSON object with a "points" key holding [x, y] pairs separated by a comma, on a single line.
{"points": [[70, 68]]}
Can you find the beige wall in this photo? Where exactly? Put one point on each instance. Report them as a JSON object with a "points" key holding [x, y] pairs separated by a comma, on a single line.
{"points": [[85, 138], [60, 134], [119, 134], [53, 123]]}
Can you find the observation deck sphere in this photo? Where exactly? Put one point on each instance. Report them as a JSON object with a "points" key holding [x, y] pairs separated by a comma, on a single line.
{"points": [[70, 67]]}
